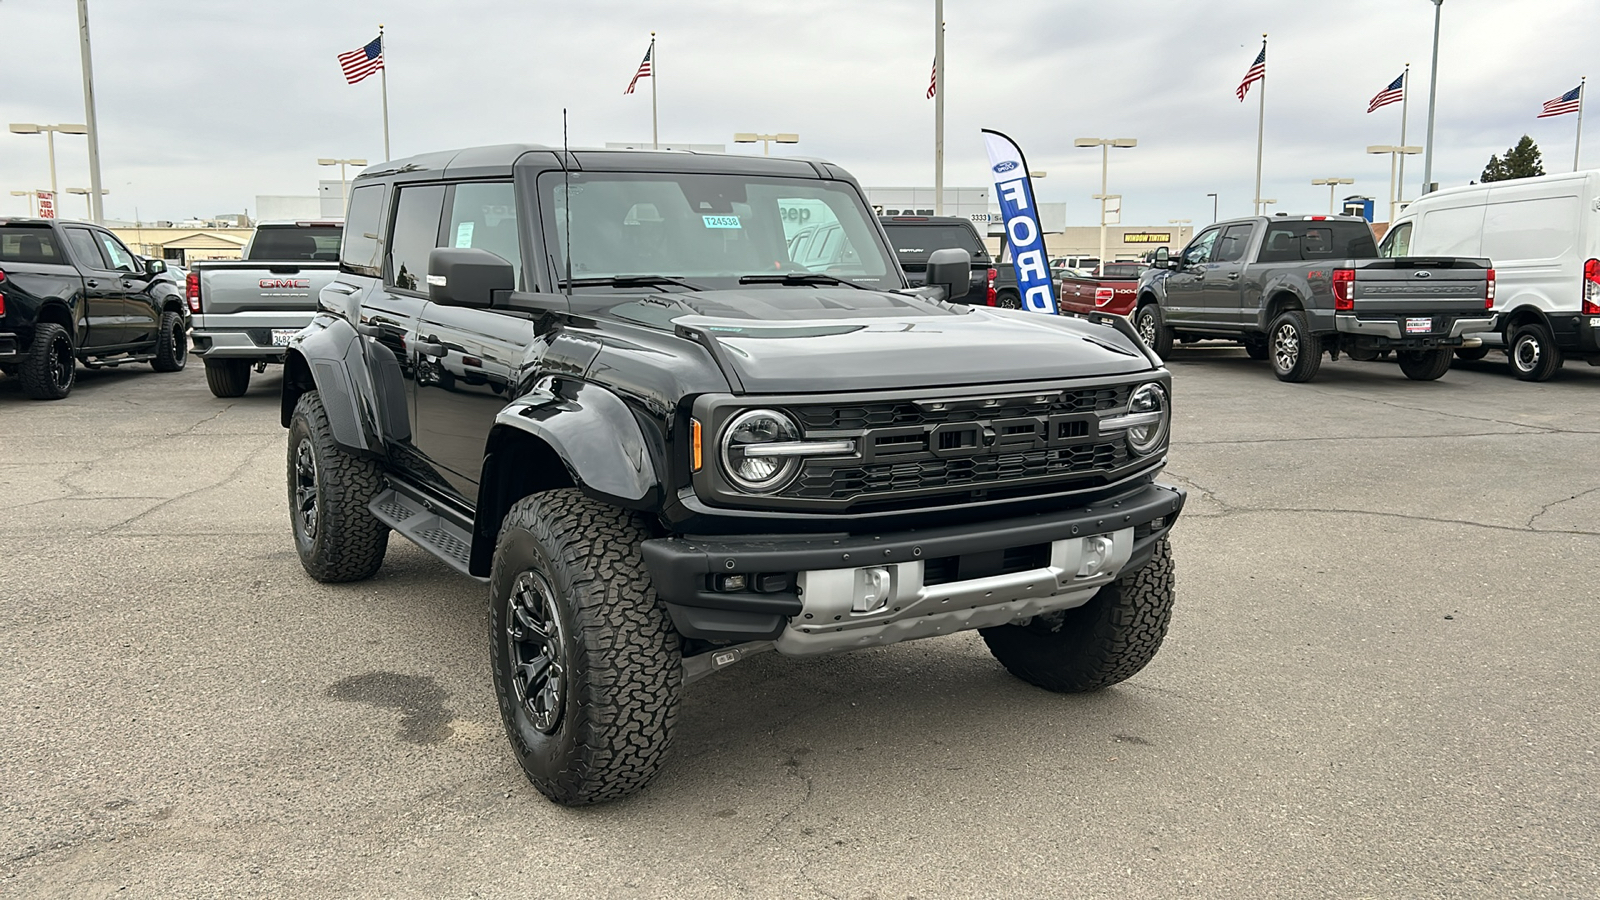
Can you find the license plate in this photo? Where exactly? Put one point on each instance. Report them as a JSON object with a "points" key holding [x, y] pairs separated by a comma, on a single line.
{"points": [[281, 336], [1419, 326]]}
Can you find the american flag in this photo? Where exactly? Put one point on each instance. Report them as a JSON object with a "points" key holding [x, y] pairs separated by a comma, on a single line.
{"points": [[644, 68], [1258, 72], [1394, 93], [360, 63], [1566, 103], [933, 80]]}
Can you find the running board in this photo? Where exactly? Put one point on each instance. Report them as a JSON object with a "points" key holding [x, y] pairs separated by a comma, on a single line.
{"points": [[113, 362], [425, 528]]}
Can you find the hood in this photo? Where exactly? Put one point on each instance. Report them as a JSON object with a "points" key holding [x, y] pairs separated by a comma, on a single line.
{"points": [[802, 340]]}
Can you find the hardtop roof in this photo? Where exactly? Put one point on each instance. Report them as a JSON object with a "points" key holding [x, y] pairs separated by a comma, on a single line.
{"points": [[502, 158]]}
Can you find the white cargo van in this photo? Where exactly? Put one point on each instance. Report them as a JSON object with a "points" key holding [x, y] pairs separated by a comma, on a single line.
{"points": [[1543, 236]]}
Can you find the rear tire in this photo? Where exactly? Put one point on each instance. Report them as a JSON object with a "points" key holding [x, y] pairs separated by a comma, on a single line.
{"points": [[1472, 354], [1152, 328], [1425, 365], [1105, 641], [1296, 353], [1008, 300], [172, 344], [337, 536], [228, 377], [1533, 353], [51, 366]]}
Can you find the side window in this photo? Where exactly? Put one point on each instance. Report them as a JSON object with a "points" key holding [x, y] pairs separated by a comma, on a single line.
{"points": [[85, 249], [1230, 247], [1397, 242], [1200, 250], [363, 225], [484, 216], [415, 234], [1282, 244], [121, 257]]}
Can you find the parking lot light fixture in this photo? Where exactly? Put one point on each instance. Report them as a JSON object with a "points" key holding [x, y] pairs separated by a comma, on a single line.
{"points": [[1105, 145], [750, 137], [1213, 206], [344, 184], [32, 197], [1332, 184], [88, 211], [49, 132], [1394, 154]]}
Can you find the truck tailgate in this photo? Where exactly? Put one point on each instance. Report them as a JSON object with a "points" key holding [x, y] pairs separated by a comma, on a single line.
{"points": [[249, 287], [1420, 286]]}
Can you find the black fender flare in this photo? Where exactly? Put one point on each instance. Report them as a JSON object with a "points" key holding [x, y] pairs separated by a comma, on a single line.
{"points": [[327, 358]]}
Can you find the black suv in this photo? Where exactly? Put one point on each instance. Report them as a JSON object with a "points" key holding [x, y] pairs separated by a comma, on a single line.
{"points": [[600, 382]]}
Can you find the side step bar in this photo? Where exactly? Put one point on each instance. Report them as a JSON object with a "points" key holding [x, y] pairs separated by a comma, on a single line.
{"points": [[113, 362], [425, 528]]}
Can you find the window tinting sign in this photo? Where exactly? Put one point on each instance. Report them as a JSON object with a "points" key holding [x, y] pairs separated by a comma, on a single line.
{"points": [[1147, 237]]}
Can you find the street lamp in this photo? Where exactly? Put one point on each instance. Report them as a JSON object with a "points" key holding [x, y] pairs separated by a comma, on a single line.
{"points": [[344, 186], [32, 196], [1105, 145], [1394, 154], [1433, 88], [1213, 206], [1333, 185], [1266, 202], [88, 204], [49, 132], [748, 137]]}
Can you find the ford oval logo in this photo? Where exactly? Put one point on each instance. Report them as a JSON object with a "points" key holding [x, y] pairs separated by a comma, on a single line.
{"points": [[1005, 165], [1422, 274]]}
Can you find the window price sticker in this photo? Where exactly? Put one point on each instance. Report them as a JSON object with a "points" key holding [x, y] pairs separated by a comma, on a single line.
{"points": [[721, 221]]}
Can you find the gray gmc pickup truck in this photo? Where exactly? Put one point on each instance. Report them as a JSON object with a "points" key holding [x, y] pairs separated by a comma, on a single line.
{"points": [[1291, 289], [245, 310]]}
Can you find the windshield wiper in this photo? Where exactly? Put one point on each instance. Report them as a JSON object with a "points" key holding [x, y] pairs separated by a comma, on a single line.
{"points": [[799, 278], [633, 281]]}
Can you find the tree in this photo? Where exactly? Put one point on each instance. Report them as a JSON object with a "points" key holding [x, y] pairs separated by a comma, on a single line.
{"points": [[1521, 161]]}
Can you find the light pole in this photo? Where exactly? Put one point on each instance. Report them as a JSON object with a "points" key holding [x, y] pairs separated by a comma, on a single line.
{"points": [[1394, 154], [32, 196], [1433, 90], [1266, 202], [748, 137], [344, 185], [88, 207], [91, 128], [49, 132], [1213, 207], [1333, 185], [1105, 145]]}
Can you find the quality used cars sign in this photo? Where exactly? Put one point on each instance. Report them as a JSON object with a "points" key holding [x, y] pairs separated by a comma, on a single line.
{"points": [[1015, 192]]}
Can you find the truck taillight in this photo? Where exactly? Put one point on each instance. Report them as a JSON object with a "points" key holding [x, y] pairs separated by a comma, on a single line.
{"points": [[989, 294], [1591, 288], [1344, 282], [1488, 292], [1104, 295], [191, 291]]}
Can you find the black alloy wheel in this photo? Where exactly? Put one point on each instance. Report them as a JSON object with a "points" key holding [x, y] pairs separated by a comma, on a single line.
{"points": [[172, 344], [305, 510], [51, 365], [534, 639], [1008, 300], [336, 535]]}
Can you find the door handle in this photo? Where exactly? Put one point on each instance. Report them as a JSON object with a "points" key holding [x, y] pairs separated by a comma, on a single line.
{"points": [[1233, 276], [427, 348], [127, 284], [92, 283]]}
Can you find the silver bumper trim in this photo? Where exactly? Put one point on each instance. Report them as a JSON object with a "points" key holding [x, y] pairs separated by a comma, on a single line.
{"points": [[1391, 330]]}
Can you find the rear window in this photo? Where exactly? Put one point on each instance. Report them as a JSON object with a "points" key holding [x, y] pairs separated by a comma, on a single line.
{"points": [[1296, 241], [917, 242], [363, 224], [20, 244], [310, 242]]}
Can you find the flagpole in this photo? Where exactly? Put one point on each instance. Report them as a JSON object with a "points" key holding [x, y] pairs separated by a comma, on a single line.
{"points": [[1577, 143], [655, 68], [383, 75], [1405, 111], [938, 107], [1261, 124]]}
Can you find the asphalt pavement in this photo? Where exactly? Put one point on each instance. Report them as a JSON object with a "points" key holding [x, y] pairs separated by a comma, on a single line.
{"points": [[1380, 682]]}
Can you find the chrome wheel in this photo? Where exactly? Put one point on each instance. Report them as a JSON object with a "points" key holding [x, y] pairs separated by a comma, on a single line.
{"points": [[533, 636], [1286, 346], [1147, 327], [305, 490]]}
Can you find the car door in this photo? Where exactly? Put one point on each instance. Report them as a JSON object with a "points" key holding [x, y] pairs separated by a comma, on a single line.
{"points": [[141, 315], [102, 290], [1222, 291], [468, 360], [1187, 282]]}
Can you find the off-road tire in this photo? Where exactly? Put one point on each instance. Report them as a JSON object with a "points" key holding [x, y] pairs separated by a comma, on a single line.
{"points": [[343, 541], [619, 659], [1295, 352], [51, 366], [1425, 365], [1256, 350], [1533, 353], [1096, 645], [228, 377], [1472, 354], [8, 369], [172, 344], [1152, 328], [1008, 300]]}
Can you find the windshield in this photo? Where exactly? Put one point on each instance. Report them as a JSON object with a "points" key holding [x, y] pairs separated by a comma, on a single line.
{"points": [[711, 230], [915, 243], [286, 242]]}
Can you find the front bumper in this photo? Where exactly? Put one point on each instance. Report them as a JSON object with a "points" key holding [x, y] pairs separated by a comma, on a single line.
{"points": [[815, 577], [1389, 331]]}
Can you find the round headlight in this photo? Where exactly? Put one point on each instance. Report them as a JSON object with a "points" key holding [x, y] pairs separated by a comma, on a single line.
{"points": [[1148, 398], [754, 472]]}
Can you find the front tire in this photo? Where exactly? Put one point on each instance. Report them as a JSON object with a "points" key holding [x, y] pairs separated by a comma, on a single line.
{"points": [[336, 535], [1153, 330], [172, 344], [1533, 353], [51, 366], [1008, 300], [587, 666], [1425, 365], [228, 377], [1096, 645], [1295, 352]]}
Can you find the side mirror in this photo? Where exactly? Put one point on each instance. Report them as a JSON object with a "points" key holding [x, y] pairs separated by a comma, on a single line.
{"points": [[154, 267], [951, 269], [1163, 258], [467, 277]]}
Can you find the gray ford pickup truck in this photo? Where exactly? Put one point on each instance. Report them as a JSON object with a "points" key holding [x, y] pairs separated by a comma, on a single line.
{"points": [[1292, 289], [245, 310]]}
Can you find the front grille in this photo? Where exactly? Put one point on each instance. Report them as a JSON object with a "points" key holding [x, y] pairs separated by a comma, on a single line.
{"points": [[856, 416], [822, 480]]}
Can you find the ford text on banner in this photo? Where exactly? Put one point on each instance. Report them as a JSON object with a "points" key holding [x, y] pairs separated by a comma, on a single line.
{"points": [[1014, 190]]}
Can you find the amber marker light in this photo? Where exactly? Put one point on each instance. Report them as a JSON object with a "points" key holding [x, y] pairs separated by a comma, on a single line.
{"points": [[694, 431]]}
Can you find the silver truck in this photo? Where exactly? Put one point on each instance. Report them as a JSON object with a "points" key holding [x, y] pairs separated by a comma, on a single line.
{"points": [[244, 311]]}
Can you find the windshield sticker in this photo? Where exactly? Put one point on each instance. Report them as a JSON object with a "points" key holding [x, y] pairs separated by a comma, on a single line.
{"points": [[721, 221], [464, 235]]}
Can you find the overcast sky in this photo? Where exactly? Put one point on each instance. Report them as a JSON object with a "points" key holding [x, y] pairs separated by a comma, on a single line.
{"points": [[204, 104]]}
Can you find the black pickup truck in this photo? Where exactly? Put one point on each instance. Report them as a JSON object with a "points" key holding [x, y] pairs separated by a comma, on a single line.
{"points": [[72, 292], [1291, 289], [666, 445], [915, 238]]}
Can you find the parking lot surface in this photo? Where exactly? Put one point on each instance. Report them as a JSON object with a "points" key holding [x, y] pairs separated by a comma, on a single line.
{"points": [[1380, 682]]}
